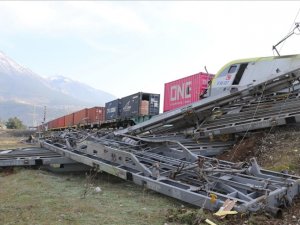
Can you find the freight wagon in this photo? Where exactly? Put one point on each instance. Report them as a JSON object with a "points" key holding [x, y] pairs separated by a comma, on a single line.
{"points": [[96, 116], [131, 109], [123, 112], [85, 118], [185, 91]]}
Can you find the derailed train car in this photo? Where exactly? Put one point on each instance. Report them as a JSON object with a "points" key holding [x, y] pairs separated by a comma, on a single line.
{"points": [[186, 90]]}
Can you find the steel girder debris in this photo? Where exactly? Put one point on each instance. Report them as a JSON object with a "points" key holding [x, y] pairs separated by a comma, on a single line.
{"points": [[179, 173], [32, 156], [176, 164]]}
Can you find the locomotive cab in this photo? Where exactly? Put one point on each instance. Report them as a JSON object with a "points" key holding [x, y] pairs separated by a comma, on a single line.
{"points": [[240, 74]]}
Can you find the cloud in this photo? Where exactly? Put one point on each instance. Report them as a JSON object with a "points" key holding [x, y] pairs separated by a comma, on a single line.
{"points": [[61, 18], [116, 14], [102, 47]]}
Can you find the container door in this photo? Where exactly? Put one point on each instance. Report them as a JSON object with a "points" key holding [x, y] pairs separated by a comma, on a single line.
{"points": [[154, 104]]}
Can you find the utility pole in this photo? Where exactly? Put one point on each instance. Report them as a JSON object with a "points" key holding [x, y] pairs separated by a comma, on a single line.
{"points": [[34, 123], [45, 111], [44, 119]]}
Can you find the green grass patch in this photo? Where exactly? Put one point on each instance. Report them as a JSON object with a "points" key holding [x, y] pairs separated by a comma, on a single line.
{"points": [[39, 197]]}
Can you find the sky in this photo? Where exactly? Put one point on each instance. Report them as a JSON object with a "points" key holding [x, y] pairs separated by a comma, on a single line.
{"points": [[126, 47]]}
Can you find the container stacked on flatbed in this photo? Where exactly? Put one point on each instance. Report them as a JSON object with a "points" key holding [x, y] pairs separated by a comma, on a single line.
{"points": [[132, 109], [140, 104], [81, 117], [126, 111], [69, 120], [96, 115], [113, 109], [185, 91], [138, 107]]}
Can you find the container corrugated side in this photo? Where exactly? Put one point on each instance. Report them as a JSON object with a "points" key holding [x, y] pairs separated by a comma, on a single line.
{"points": [[81, 117], [112, 109], [185, 91], [50, 124], [96, 115], [61, 122], [130, 106], [69, 120], [53, 124]]}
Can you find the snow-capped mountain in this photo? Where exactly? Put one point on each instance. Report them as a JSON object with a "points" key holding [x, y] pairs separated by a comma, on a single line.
{"points": [[80, 90], [24, 94], [7, 65]]}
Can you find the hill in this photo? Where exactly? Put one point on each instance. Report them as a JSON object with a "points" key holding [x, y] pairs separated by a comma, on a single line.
{"points": [[24, 94]]}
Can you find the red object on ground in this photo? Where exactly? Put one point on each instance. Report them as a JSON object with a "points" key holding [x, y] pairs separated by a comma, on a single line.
{"points": [[81, 117], [96, 115], [185, 91]]}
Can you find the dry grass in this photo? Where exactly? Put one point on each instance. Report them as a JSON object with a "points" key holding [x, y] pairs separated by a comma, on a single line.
{"points": [[11, 142], [12, 138], [40, 197]]}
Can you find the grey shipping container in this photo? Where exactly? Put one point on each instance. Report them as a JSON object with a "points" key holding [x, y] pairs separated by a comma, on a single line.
{"points": [[131, 105], [113, 109]]}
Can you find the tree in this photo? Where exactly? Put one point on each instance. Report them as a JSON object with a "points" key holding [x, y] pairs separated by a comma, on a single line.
{"points": [[15, 123]]}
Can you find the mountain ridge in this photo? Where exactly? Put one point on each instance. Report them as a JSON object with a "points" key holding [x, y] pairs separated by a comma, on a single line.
{"points": [[24, 90]]}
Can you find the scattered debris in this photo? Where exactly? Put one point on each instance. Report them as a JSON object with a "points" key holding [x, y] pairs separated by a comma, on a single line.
{"points": [[225, 209], [98, 189], [210, 222]]}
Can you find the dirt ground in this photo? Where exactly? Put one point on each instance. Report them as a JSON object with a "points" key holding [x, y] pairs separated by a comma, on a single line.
{"points": [[275, 149]]}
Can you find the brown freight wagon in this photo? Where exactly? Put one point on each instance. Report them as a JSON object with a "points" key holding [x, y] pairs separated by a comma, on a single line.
{"points": [[53, 124], [96, 115], [81, 117], [61, 122], [69, 120]]}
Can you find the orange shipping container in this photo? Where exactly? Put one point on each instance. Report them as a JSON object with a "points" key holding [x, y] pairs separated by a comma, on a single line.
{"points": [[81, 117], [53, 124], [61, 122], [96, 114], [69, 120]]}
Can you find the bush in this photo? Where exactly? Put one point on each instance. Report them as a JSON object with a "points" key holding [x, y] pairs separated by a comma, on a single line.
{"points": [[15, 123]]}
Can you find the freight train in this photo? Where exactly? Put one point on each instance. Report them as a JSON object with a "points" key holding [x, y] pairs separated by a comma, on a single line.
{"points": [[232, 77], [123, 112], [135, 108]]}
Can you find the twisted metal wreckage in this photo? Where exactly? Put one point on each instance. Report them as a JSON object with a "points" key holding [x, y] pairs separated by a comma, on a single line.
{"points": [[173, 153]]}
